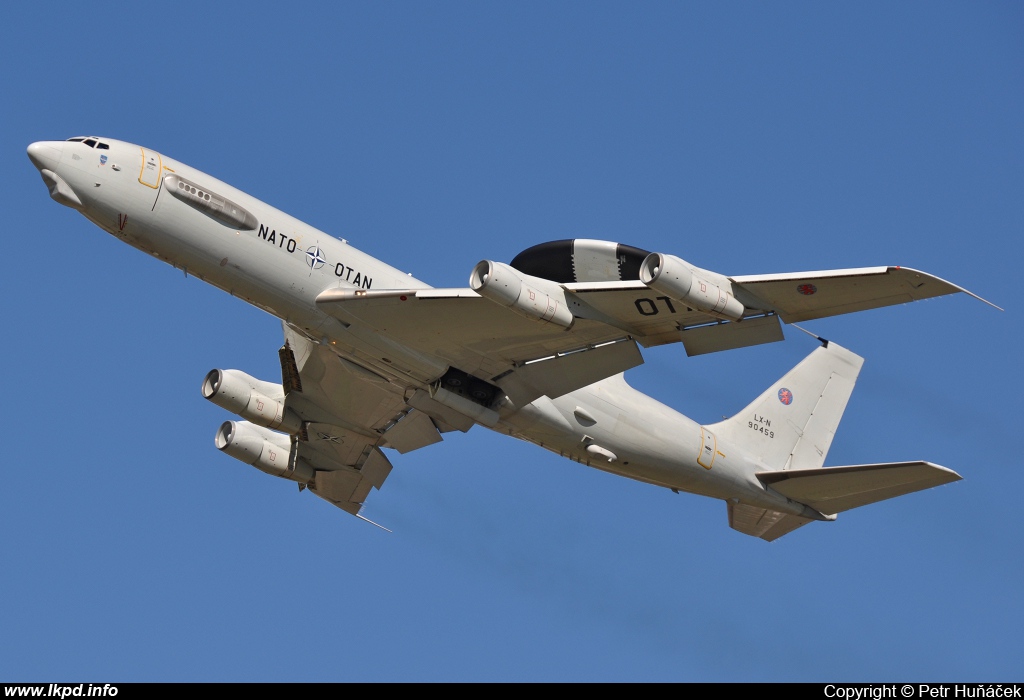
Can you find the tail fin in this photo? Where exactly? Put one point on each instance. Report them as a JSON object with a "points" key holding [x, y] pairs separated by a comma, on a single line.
{"points": [[791, 425]]}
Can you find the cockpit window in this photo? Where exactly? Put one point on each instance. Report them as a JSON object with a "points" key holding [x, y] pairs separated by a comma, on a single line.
{"points": [[91, 142]]}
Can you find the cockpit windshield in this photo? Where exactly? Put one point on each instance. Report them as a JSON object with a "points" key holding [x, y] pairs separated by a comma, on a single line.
{"points": [[91, 142]]}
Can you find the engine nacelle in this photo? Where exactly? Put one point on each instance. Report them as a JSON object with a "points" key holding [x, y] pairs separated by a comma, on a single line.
{"points": [[677, 279], [250, 398], [264, 449], [532, 297]]}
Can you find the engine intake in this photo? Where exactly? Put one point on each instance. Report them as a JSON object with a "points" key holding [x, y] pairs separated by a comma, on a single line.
{"points": [[683, 282]]}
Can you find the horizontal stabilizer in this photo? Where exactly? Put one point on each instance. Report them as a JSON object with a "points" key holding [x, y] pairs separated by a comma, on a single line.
{"points": [[835, 489], [760, 522]]}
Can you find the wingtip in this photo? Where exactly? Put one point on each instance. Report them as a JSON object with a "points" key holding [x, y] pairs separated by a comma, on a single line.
{"points": [[972, 294], [994, 306], [954, 286]]}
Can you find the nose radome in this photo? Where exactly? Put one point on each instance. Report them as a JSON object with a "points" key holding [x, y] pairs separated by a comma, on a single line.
{"points": [[45, 154]]}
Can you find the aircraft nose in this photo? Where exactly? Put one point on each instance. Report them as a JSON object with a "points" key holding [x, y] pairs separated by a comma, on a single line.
{"points": [[45, 154]]}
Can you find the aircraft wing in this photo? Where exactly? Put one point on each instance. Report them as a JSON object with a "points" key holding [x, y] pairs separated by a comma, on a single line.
{"points": [[802, 296], [529, 358], [348, 414], [490, 341], [654, 319]]}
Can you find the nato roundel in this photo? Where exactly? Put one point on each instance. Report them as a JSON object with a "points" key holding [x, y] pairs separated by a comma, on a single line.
{"points": [[785, 396], [315, 257]]}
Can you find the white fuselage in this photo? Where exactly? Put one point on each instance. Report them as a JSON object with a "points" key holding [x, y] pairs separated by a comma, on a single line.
{"points": [[282, 264]]}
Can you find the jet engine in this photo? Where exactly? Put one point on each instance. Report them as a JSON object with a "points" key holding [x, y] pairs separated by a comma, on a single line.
{"points": [[677, 279], [264, 449], [250, 398], [532, 297]]}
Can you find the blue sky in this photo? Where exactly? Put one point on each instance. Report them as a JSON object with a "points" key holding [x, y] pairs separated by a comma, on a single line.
{"points": [[744, 137]]}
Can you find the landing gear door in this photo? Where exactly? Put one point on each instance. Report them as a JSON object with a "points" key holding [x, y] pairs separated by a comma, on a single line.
{"points": [[152, 166]]}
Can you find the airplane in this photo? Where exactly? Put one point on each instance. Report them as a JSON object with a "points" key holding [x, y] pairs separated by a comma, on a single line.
{"points": [[536, 349]]}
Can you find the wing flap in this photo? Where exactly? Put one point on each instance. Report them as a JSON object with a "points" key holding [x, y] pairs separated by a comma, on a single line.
{"points": [[376, 468], [413, 431], [346, 486], [423, 401], [832, 490], [338, 486], [558, 375], [729, 336]]}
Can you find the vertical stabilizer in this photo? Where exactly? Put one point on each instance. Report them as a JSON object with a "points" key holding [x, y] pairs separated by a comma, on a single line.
{"points": [[791, 425]]}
